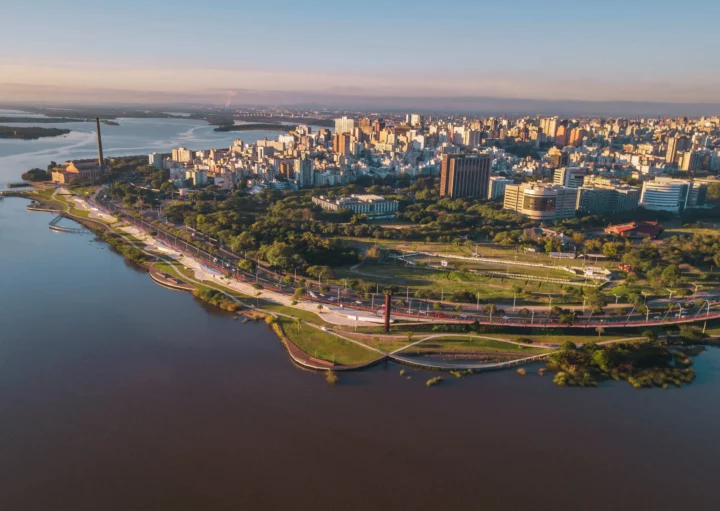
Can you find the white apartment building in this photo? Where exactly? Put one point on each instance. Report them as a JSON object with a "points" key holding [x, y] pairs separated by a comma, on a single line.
{"points": [[673, 195]]}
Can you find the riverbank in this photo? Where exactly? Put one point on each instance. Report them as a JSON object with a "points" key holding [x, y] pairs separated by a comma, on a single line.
{"points": [[303, 324]]}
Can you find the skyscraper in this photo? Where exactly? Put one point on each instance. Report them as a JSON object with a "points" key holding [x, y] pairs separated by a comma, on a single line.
{"points": [[342, 143], [465, 175], [675, 146], [576, 136], [303, 172], [344, 125]]}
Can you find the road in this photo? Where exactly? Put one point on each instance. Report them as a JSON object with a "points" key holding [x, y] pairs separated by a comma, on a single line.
{"points": [[225, 261]]}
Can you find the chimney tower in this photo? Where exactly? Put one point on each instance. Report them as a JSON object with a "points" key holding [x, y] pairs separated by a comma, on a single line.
{"points": [[388, 305], [101, 161]]}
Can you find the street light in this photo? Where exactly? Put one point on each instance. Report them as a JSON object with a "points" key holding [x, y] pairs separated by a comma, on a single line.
{"points": [[617, 297], [670, 291]]}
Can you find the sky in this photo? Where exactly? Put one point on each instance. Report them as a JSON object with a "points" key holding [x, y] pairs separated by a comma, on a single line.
{"points": [[362, 51]]}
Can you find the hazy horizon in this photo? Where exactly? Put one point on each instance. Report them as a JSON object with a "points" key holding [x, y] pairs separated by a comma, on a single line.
{"points": [[560, 56]]}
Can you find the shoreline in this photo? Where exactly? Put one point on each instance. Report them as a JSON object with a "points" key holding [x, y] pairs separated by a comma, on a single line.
{"points": [[102, 227]]}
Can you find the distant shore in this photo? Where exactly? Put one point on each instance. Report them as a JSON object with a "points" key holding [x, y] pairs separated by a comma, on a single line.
{"points": [[252, 127], [11, 132]]}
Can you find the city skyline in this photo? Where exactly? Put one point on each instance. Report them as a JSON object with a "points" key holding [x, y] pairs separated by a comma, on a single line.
{"points": [[477, 56]]}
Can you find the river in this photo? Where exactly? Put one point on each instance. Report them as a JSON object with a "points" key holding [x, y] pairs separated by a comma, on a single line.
{"points": [[117, 394], [132, 137]]}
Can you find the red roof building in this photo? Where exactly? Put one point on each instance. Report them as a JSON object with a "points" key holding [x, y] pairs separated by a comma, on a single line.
{"points": [[636, 230]]}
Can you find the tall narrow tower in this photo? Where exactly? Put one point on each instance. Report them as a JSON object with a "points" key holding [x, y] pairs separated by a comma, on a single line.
{"points": [[101, 161]]}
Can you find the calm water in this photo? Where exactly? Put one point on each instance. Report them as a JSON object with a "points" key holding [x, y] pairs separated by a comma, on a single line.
{"points": [[116, 394], [133, 136]]}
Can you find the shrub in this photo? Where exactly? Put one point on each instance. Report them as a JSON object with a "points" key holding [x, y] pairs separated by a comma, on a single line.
{"points": [[433, 381], [331, 378]]}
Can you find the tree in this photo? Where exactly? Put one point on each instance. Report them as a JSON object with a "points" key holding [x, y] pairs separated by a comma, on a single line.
{"points": [[567, 318], [242, 242], [671, 275], [568, 346], [650, 335], [490, 308], [525, 312], [246, 265], [600, 330], [297, 323], [601, 358], [691, 333], [595, 300], [437, 306]]}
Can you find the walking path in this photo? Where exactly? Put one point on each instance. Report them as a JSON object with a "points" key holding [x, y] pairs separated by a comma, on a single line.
{"points": [[447, 366]]}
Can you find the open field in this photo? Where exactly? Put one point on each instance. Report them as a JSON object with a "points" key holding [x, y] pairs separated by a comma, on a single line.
{"points": [[491, 289], [458, 264], [326, 346], [484, 249]]}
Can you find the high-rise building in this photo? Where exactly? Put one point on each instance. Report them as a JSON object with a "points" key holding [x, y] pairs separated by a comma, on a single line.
{"points": [[303, 168], [415, 120], [572, 177], [576, 136], [675, 146], [182, 155], [549, 126], [342, 143], [465, 175], [472, 138], [540, 201], [673, 195], [600, 196], [156, 160], [558, 158], [344, 125], [496, 188], [691, 161], [561, 136]]}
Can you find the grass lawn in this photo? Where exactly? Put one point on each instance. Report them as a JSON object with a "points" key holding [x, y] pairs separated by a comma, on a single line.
{"points": [[386, 345], [559, 339], [474, 344], [326, 346], [491, 289], [85, 191], [304, 315]]}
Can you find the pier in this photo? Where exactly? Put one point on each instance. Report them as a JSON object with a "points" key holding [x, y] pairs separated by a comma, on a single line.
{"points": [[58, 228]]}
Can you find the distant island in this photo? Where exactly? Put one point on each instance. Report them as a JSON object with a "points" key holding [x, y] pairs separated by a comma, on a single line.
{"points": [[108, 122], [39, 120], [251, 127], [34, 133]]}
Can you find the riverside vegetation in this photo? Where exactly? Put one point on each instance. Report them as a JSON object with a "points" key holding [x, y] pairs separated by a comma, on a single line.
{"points": [[642, 364]]}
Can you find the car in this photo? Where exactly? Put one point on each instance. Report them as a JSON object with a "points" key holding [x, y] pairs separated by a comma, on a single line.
{"points": [[463, 316], [332, 299], [656, 317], [358, 302]]}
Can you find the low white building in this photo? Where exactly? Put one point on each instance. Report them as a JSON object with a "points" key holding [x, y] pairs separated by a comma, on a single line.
{"points": [[370, 205]]}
